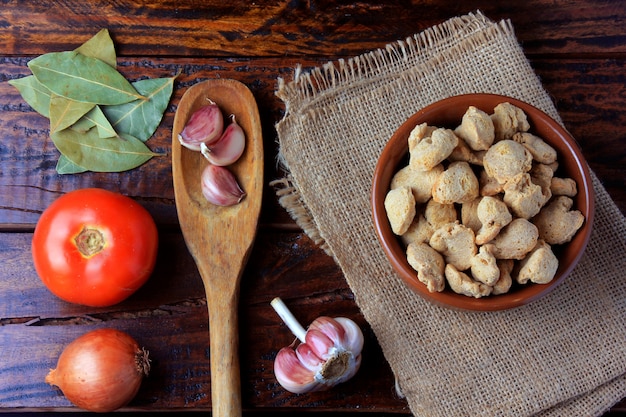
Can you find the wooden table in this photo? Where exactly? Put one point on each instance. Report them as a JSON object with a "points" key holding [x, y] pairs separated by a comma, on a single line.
{"points": [[577, 48]]}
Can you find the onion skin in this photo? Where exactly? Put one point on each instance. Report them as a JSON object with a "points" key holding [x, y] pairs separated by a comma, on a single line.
{"points": [[101, 370]]}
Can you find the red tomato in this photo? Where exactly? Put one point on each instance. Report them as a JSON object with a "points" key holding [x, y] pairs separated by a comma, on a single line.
{"points": [[94, 247]]}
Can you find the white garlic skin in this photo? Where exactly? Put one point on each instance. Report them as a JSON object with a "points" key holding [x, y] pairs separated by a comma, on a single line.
{"points": [[228, 148], [220, 187], [205, 125]]}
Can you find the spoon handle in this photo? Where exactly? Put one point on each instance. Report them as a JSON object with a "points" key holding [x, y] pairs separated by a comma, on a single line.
{"points": [[224, 345]]}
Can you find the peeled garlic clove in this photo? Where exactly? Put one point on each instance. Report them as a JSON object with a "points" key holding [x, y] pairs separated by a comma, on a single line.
{"points": [[329, 353], [220, 187], [204, 126], [228, 148]]}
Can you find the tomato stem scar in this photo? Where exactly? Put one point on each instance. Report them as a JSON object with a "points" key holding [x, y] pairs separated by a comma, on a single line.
{"points": [[89, 242]]}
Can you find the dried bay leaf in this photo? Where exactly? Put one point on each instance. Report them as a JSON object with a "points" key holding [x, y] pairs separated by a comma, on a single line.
{"points": [[97, 118], [91, 151], [83, 125], [65, 166], [100, 46], [65, 112], [34, 93], [73, 88], [141, 118], [82, 78]]}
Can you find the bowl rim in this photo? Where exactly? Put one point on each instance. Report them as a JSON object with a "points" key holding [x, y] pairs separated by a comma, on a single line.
{"points": [[390, 242]]}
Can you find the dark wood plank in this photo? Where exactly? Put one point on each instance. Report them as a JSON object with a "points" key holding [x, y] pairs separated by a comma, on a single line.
{"points": [[588, 94], [169, 317], [296, 28]]}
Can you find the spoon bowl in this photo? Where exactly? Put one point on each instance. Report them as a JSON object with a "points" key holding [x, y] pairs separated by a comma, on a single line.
{"points": [[220, 239]]}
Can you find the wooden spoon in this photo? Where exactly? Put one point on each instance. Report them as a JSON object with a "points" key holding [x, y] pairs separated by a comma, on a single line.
{"points": [[220, 238]]}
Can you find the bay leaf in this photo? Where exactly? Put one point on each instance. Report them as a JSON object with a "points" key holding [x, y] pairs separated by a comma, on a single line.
{"points": [[65, 112], [83, 125], [34, 93], [96, 154], [100, 46], [82, 78], [141, 118], [97, 118], [65, 166]]}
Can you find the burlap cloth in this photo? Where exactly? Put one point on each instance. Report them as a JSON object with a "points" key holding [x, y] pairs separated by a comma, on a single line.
{"points": [[562, 355]]}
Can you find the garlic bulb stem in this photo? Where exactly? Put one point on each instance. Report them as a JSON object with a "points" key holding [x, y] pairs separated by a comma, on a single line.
{"points": [[289, 319]]}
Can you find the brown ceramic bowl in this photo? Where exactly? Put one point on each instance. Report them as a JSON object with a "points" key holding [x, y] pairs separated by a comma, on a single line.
{"points": [[448, 113]]}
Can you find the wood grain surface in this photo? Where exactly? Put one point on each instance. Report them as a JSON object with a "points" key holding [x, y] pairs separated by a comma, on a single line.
{"points": [[578, 49]]}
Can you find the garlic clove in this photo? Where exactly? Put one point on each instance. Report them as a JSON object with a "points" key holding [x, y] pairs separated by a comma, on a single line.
{"points": [[319, 343], [308, 358], [220, 187], [204, 126], [228, 148], [353, 337], [330, 328], [291, 374], [329, 353]]}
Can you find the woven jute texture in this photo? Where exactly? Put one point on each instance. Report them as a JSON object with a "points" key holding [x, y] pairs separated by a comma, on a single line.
{"points": [[563, 355]]}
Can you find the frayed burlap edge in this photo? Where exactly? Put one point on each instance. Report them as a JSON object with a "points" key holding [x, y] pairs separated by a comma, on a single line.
{"points": [[290, 199]]}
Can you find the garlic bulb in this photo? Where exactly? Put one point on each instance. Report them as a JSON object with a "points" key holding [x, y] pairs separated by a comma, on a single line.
{"points": [[329, 352]]}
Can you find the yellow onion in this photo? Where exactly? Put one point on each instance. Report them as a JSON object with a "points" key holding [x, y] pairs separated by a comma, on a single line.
{"points": [[100, 371]]}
